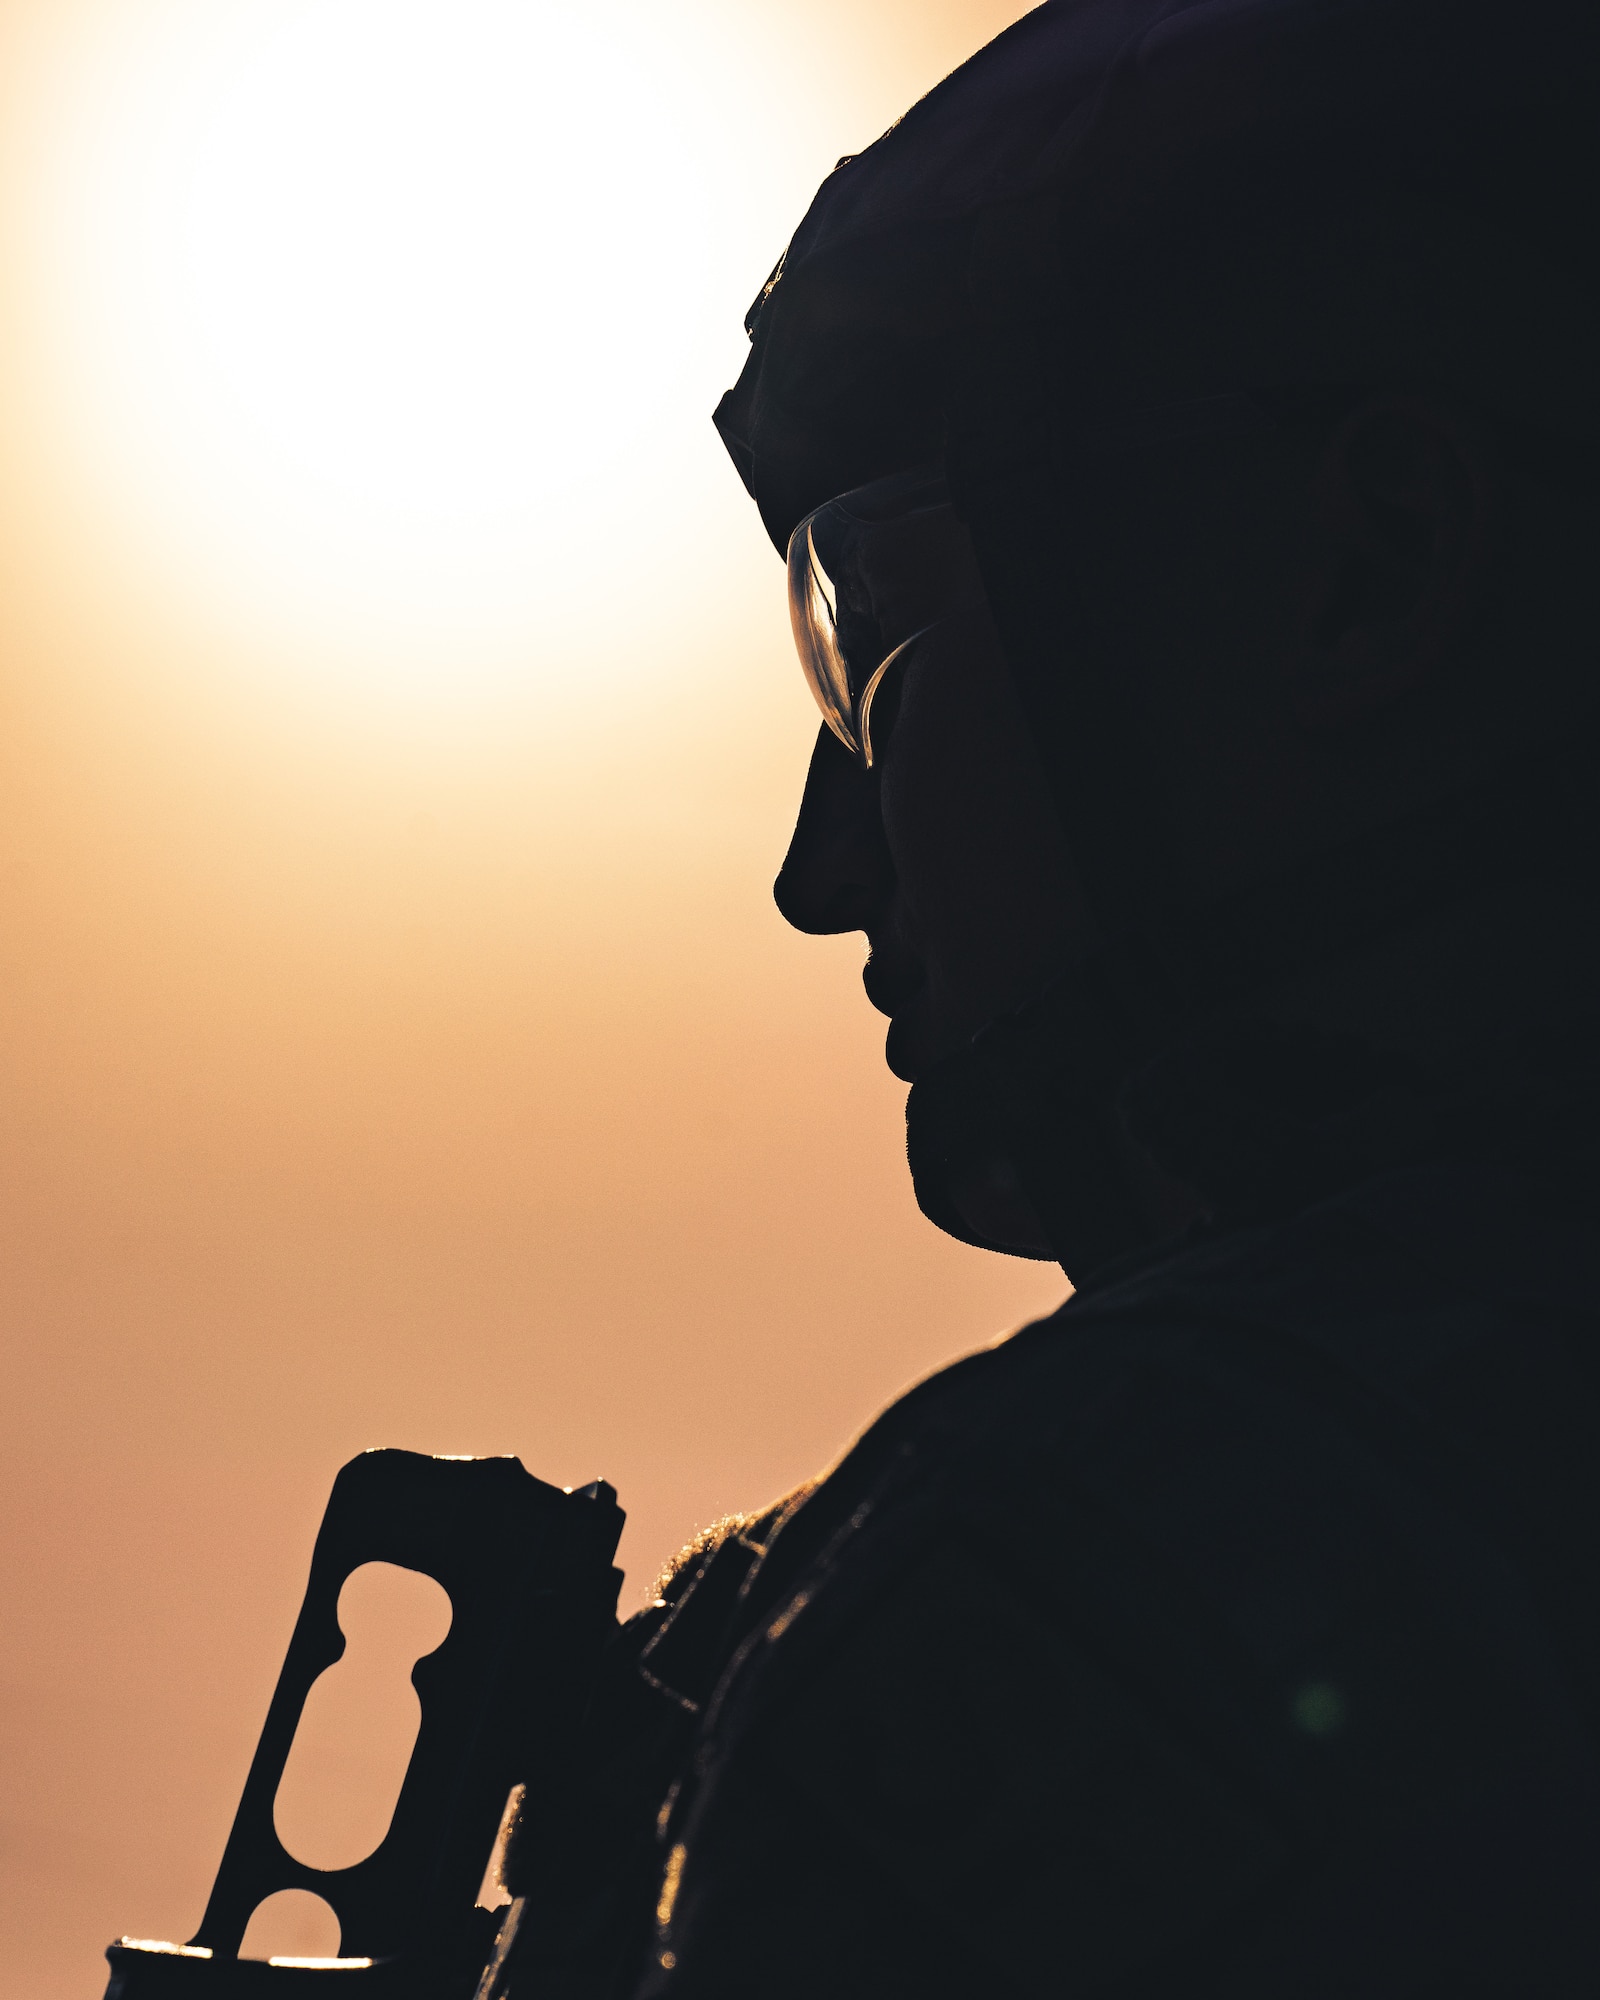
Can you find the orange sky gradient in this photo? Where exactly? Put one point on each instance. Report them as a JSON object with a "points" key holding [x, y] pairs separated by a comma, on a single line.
{"points": [[399, 1044]]}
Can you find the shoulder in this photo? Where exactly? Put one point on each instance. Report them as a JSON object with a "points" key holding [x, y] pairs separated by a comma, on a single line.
{"points": [[1121, 1624]]}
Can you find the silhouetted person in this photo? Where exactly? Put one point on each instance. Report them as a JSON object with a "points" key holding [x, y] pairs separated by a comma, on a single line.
{"points": [[1209, 395]]}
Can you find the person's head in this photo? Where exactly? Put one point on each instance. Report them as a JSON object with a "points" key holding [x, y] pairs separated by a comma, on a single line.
{"points": [[1259, 626]]}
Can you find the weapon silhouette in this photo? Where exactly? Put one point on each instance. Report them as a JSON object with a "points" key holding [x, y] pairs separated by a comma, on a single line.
{"points": [[528, 1570]]}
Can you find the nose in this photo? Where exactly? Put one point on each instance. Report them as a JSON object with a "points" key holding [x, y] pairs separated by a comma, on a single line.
{"points": [[837, 872]]}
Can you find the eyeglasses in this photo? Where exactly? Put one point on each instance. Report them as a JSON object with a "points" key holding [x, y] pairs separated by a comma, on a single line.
{"points": [[850, 565], [873, 561]]}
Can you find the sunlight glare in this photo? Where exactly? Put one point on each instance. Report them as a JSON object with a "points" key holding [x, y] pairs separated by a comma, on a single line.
{"points": [[352, 300]]}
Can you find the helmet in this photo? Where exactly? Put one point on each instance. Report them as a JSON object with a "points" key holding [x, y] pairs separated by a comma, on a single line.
{"points": [[1189, 200], [1098, 130]]}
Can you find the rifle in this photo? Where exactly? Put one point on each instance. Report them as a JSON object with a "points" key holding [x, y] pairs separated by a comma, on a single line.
{"points": [[528, 1569]]}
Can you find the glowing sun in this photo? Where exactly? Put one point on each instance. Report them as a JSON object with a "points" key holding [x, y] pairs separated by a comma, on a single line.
{"points": [[369, 312]]}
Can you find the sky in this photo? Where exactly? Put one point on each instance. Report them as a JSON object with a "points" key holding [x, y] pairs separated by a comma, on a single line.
{"points": [[399, 732]]}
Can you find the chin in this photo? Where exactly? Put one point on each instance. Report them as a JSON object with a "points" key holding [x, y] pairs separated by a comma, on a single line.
{"points": [[965, 1184], [999, 1216]]}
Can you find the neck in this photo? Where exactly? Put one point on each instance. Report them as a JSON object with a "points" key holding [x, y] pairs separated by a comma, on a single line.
{"points": [[1473, 1031], [1488, 970]]}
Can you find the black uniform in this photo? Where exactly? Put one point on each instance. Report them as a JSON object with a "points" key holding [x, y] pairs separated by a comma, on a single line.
{"points": [[1235, 1630]]}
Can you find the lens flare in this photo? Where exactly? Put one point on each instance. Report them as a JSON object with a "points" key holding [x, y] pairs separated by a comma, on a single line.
{"points": [[346, 305]]}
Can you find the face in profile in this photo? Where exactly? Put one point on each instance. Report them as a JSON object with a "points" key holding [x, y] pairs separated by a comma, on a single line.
{"points": [[925, 821], [932, 831]]}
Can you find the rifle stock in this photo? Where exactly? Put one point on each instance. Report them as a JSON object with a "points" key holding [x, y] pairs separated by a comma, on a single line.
{"points": [[528, 1569]]}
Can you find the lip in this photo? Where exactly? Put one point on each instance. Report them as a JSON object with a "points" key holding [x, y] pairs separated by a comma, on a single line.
{"points": [[891, 983], [901, 1051], [894, 985]]}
